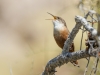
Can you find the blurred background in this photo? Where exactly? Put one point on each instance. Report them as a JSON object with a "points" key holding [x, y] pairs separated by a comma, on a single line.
{"points": [[26, 38]]}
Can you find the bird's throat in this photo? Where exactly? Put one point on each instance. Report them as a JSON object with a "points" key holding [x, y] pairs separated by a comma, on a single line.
{"points": [[59, 27]]}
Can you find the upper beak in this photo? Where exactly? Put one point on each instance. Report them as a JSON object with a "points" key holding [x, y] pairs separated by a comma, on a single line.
{"points": [[53, 16]]}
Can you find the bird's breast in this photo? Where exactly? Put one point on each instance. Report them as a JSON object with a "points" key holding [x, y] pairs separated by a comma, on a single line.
{"points": [[60, 35]]}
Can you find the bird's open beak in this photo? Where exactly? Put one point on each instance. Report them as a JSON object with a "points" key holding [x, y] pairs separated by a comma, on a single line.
{"points": [[53, 17]]}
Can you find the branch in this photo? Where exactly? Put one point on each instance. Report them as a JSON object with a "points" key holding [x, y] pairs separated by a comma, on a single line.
{"points": [[79, 22], [66, 57]]}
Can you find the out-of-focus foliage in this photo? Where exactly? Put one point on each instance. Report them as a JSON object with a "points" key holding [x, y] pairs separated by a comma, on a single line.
{"points": [[26, 38], [90, 4]]}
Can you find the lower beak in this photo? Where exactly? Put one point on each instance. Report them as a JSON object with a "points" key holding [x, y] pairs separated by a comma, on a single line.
{"points": [[49, 19]]}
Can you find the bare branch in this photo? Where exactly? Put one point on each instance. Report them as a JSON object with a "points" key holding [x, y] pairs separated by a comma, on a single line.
{"points": [[66, 57], [79, 21], [88, 27]]}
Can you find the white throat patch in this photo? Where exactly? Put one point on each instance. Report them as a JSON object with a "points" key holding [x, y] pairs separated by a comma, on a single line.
{"points": [[58, 25]]}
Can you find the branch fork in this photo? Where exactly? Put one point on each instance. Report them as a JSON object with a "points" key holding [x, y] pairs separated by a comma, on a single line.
{"points": [[67, 56]]}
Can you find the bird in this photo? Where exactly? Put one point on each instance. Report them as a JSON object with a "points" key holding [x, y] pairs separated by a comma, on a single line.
{"points": [[61, 33]]}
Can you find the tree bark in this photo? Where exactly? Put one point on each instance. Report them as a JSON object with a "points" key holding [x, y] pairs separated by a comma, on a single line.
{"points": [[66, 56]]}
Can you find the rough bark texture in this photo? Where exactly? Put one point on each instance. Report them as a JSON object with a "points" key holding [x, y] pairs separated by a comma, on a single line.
{"points": [[66, 56]]}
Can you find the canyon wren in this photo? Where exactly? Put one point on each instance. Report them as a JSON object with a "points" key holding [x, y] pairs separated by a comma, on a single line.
{"points": [[61, 34]]}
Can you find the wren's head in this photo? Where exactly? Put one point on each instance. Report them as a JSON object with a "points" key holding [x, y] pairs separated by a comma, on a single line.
{"points": [[57, 21]]}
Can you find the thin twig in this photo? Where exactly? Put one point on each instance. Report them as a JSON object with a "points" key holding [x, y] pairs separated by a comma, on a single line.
{"points": [[92, 21], [91, 46], [91, 71], [85, 16], [81, 38], [93, 18], [86, 69], [97, 59]]}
